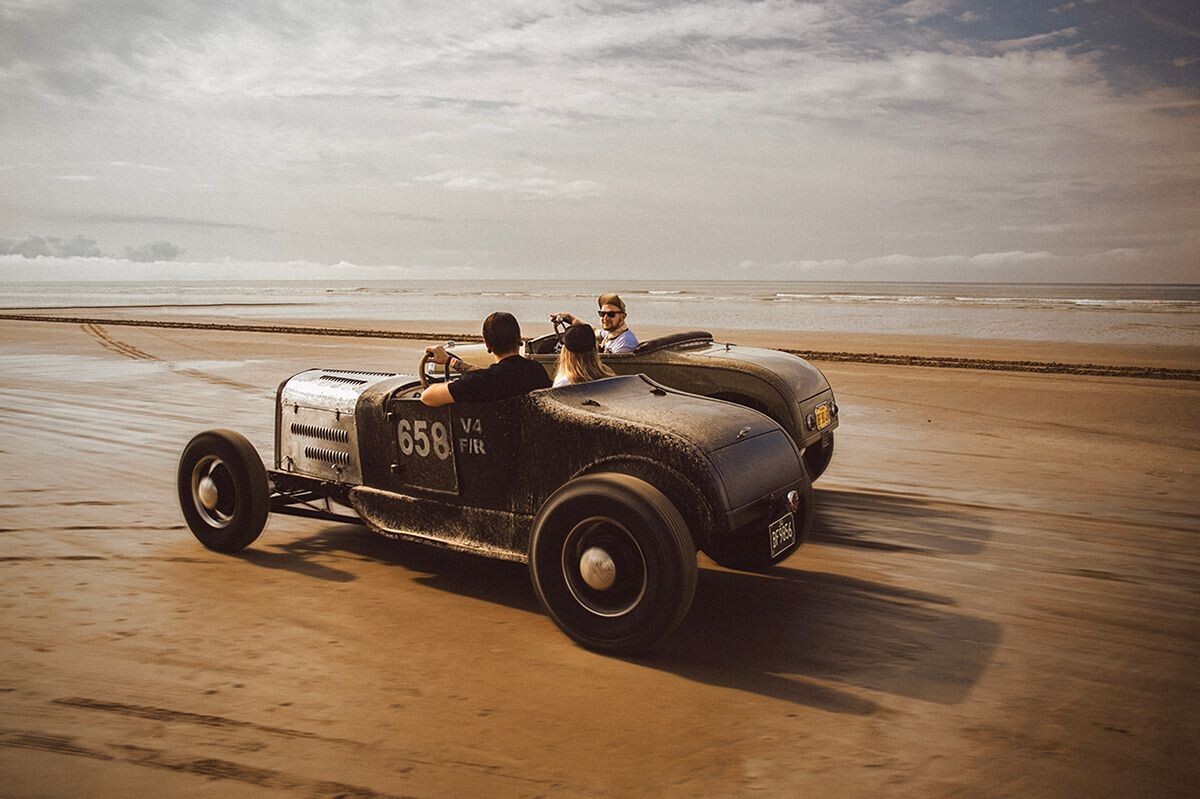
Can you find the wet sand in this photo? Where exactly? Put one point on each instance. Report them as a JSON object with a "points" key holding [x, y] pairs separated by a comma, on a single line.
{"points": [[999, 598]]}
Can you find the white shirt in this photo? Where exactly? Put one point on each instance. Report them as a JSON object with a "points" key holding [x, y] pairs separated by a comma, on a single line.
{"points": [[624, 341]]}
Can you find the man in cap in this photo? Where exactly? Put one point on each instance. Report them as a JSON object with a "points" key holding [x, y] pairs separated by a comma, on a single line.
{"points": [[614, 335]]}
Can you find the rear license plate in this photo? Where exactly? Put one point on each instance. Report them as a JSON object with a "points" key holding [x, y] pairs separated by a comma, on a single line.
{"points": [[822, 416], [782, 533]]}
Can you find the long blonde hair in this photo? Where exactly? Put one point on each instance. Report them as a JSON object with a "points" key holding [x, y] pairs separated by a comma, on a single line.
{"points": [[580, 367]]}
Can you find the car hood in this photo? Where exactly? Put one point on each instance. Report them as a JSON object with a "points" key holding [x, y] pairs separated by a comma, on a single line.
{"points": [[806, 380], [709, 424]]}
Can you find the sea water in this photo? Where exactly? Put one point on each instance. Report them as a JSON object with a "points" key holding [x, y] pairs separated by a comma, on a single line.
{"points": [[1119, 314]]}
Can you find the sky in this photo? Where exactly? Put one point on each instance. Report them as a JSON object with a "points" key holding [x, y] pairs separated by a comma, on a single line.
{"points": [[860, 140]]}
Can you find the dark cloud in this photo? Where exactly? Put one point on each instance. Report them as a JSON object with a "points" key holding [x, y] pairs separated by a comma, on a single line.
{"points": [[153, 251], [82, 49], [35, 246], [106, 218], [83, 247], [1134, 42]]}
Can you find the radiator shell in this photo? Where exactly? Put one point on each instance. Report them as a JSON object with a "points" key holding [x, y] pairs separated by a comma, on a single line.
{"points": [[315, 433]]}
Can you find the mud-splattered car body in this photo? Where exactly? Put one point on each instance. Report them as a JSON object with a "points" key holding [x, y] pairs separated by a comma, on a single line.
{"points": [[786, 387], [619, 479]]}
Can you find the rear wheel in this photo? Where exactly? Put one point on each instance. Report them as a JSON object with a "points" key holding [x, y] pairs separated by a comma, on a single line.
{"points": [[613, 563], [223, 490]]}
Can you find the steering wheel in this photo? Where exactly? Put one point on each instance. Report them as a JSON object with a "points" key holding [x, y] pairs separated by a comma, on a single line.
{"points": [[424, 378], [560, 329]]}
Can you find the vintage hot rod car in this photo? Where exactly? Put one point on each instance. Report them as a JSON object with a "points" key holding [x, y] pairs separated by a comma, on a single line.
{"points": [[607, 489], [785, 387]]}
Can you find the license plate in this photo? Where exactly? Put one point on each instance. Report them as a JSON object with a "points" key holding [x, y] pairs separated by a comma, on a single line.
{"points": [[822, 416], [783, 534]]}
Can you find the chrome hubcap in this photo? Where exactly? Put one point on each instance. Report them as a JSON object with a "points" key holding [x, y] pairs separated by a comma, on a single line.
{"points": [[604, 567], [598, 569], [207, 493], [214, 493]]}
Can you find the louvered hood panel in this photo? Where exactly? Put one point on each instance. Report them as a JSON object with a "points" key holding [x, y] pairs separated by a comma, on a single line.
{"points": [[315, 431]]}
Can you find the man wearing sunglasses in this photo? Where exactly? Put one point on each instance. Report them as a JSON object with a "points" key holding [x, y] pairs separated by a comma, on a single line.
{"points": [[614, 335]]}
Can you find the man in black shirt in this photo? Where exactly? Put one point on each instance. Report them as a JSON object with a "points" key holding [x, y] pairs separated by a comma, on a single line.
{"points": [[510, 376]]}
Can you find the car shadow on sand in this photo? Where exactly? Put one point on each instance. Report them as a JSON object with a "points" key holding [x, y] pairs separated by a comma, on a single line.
{"points": [[501, 582], [819, 639], [807, 636]]}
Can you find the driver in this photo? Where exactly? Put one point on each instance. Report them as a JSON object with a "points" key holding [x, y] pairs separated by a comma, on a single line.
{"points": [[510, 376], [615, 336]]}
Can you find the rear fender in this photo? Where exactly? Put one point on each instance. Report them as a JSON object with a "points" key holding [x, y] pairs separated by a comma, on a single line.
{"points": [[687, 497]]}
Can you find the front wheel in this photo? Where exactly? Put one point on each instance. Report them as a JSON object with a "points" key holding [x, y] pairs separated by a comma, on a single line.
{"points": [[223, 490], [612, 562]]}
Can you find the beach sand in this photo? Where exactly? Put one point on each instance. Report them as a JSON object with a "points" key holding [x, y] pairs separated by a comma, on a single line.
{"points": [[998, 599]]}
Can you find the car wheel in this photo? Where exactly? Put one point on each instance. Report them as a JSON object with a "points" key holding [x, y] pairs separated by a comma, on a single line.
{"points": [[817, 457], [753, 552], [223, 490], [612, 561]]}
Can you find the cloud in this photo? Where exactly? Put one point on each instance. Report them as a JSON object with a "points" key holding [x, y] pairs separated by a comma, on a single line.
{"points": [[401, 216], [113, 218], [83, 247], [1159, 18], [153, 252], [691, 133], [914, 10], [535, 185], [146, 167], [105, 268], [1037, 40], [50, 246]]}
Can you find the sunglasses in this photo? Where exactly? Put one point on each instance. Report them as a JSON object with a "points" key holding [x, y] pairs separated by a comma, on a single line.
{"points": [[609, 313]]}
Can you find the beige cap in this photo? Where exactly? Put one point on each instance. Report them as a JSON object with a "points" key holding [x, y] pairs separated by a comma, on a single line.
{"points": [[611, 299]]}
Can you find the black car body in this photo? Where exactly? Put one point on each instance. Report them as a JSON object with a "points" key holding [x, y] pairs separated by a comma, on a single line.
{"points": [[607, 489]]}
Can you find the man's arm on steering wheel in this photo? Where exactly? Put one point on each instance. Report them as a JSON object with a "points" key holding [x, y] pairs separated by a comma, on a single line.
{"points": [[437, 395]]}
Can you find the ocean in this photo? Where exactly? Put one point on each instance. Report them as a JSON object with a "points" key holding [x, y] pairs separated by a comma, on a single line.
{"points": [[1118, 314]]}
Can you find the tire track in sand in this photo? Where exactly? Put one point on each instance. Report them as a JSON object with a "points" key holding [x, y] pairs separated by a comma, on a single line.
{"points": [[116, 345], [113, 344], [209, 767], [407, 762]]}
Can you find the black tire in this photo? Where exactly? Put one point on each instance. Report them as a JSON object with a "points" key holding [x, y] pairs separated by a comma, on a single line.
{"points": [[650, 568], [816, 458], [753, 552], [223, 490]]}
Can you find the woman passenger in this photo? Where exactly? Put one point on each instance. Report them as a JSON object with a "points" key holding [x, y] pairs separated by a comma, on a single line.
{"points": [[579, 360]]}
